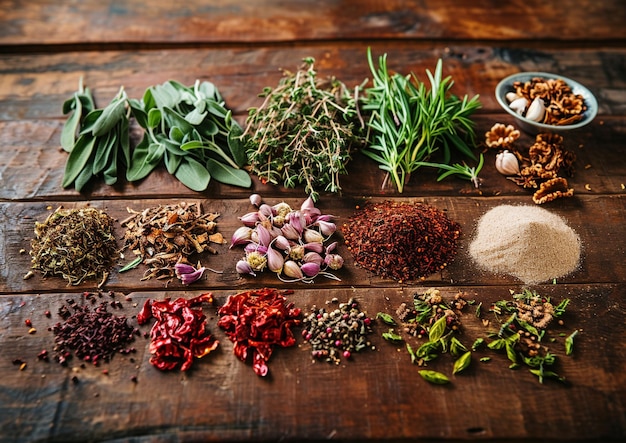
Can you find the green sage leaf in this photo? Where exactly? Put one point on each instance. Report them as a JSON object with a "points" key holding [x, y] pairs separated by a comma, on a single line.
{"points": [[70, 128], [193, 174], [138, 112], [172, 161], [145, 158], [226, 174], [78, 159], [462, 362], [85, 175], [236, 146], [89, 121], [110, 172], [386, 318], [103, 149], [111, 115], [154, 118], [434, 377]]}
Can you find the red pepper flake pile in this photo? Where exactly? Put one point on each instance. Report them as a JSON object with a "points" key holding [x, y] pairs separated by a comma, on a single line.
{"points": [[92, 336], [255, 321], [180, 332], [403, 241]]}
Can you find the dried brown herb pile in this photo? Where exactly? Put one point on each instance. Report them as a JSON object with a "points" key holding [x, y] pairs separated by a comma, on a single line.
{"points": [[402, 241], [77, 244], [165, 235]]}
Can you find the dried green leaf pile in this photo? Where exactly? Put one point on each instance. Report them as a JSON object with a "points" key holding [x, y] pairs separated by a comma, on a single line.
{"points": [[76, 244], [304, 132]]}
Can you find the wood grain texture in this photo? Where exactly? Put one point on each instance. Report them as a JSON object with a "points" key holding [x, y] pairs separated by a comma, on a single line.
{"points": [[43, 82], [601, 265], [45, 22], [377, 396]]}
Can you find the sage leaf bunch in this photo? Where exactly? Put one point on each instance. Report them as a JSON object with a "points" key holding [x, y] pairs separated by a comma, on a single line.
{"points": [[98, 143], [410, 122], [187, 129], [190, 131]]}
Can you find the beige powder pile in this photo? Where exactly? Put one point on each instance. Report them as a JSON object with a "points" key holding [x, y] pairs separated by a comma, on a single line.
{"points": [[527, 242]]}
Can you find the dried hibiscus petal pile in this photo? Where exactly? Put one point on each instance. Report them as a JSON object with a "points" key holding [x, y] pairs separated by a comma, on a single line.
{"points": [[257, 320], [180, 332]]}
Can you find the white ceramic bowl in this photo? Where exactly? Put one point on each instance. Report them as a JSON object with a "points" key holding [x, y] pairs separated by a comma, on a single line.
{"points": [[533, 127]]}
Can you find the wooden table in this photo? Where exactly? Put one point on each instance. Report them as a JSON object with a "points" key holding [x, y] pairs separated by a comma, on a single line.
{"points": [[46, 46]]}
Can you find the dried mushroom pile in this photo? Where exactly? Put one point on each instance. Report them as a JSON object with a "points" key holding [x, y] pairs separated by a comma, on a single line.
{"points": [[165, 236]]}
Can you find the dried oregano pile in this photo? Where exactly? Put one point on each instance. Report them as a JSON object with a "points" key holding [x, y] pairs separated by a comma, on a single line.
{"points": [[76, 244]]}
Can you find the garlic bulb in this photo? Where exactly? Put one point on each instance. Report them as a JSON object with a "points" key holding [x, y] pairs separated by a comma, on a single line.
{"points": [[536, 110], [507, 163]]}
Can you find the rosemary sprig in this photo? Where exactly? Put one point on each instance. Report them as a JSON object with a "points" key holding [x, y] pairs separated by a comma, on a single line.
{"points": [[304, 132], [410, 122]]}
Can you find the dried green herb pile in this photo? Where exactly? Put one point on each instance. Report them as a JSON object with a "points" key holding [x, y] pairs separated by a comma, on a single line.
{"points": [[76, 244], [164, 236], [437, 320], [524, 323], [402, 241], [415, 125], [304, 132], [187, 129]]}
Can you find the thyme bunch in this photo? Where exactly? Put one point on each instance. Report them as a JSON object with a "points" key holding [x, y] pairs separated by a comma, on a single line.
{"points": [[304, 132], [410, 122]]}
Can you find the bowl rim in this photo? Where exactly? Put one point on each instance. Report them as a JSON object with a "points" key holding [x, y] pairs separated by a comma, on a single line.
{"points": [[577, 88]]}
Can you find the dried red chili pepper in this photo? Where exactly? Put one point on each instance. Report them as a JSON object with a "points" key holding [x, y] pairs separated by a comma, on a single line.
{"points": [[180, 332], [255, 321]]}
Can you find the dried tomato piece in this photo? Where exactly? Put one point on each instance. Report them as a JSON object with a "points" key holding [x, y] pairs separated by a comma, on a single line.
{"points": [[257, 320], [179, 333]]}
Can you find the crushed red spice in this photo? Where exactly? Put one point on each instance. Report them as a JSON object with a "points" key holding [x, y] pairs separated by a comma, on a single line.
{"points": [[93, 336], [402, 241], [179, 334], [257, 320]]}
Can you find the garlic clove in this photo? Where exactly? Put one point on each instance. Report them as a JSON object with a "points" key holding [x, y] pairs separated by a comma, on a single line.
{"points": [[519, 105], [511, 96], [536, 110], [507, 163]]}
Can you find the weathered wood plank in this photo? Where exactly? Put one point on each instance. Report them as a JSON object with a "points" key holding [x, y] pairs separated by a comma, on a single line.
{"points": [[34, 86], [599, 264], [48, 22], [375, 395], [32, 166]]}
